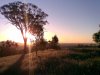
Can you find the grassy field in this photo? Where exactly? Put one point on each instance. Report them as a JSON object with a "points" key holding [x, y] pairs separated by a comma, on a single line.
{"points": [[52, 62]]}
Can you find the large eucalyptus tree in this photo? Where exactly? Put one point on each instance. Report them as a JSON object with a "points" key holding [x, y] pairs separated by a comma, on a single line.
{"points": [[25, 16]]}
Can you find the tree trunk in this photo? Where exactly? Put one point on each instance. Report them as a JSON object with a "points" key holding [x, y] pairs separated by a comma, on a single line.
{"points": [[25, 40], [25, 45], [36, 53]]}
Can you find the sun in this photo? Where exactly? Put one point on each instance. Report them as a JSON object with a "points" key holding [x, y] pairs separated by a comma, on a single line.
{"points": [[30, 37], [15, 35]]}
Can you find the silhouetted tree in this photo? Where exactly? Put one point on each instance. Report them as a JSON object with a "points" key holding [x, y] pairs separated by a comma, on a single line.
{"points": [[55, 39], [54, 43], [40, 45], [24, 16], [37, 30], [96, 38]]}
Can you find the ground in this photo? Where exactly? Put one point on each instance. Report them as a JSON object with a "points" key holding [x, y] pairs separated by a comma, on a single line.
{"points": [[52, 62]]}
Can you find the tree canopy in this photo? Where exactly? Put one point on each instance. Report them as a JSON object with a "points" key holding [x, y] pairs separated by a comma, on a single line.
{"points": [[26, 17], [55, 39], [96, 37]]}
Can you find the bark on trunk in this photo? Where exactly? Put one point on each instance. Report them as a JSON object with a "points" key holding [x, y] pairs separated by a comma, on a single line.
{"points": [[36, 53], [25, 45], [25, 40]]}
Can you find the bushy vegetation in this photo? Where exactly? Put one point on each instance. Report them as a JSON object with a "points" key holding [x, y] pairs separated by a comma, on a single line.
{"points": [[54, 44], [8, 48], [42, 44]]}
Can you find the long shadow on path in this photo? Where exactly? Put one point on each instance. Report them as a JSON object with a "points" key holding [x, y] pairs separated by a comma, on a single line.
{"points": [[15, 69]]}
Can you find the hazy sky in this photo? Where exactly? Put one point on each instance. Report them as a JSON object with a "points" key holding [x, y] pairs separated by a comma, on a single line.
{"points": [[71, 20]]}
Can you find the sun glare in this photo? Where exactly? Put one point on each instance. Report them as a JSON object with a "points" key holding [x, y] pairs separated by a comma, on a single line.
{"points": [[14, 34], [30, 37]]}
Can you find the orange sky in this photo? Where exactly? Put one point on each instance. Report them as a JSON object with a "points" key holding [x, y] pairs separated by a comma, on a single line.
{"points": [[12, 33]]}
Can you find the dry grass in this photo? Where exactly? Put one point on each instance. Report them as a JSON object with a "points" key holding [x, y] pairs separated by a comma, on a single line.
{"points": [[50, 62], [6, 62]]}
